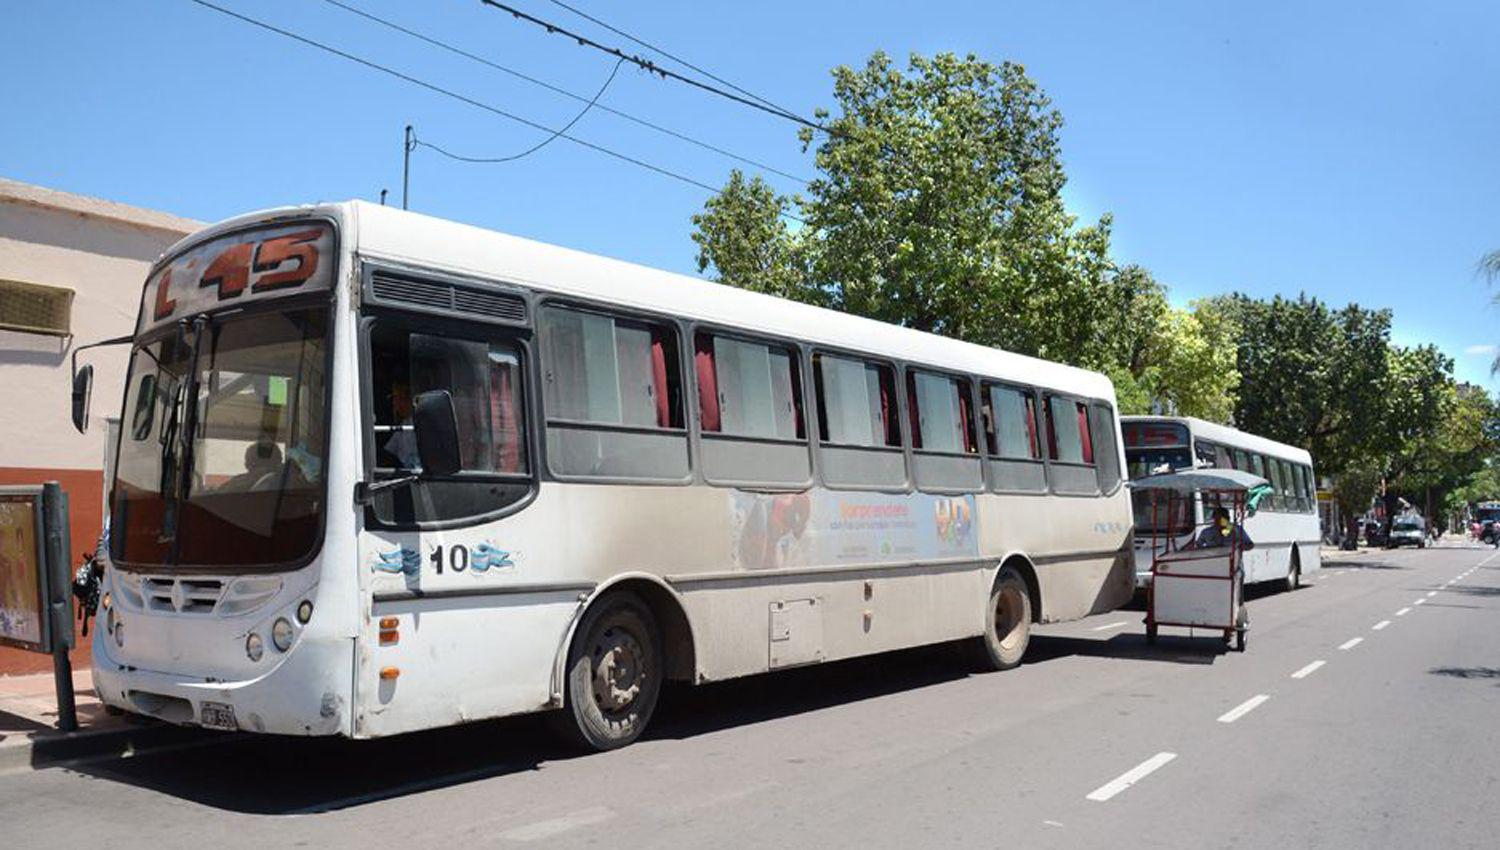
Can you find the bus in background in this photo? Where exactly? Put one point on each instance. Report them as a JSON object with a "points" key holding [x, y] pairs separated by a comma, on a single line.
{"points": [[1285, 526], [379, 472]]}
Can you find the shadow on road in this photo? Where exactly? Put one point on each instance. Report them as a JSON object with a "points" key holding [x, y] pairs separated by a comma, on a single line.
{"points": [[1467, 672], [1171, 648]]}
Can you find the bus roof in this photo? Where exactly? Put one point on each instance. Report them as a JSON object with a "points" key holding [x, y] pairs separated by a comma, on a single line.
{"points": [[381, 232], [1232, 437]]}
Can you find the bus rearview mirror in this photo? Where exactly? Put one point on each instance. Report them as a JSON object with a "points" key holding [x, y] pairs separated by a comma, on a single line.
{"points": [[436, 426], [83, 389]]}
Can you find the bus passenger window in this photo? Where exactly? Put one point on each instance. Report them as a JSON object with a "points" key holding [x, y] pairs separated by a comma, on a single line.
{"points": [[940, 414], [1068, 437], [856, 402], [1010, 430], [747, 389], [611, 371]]}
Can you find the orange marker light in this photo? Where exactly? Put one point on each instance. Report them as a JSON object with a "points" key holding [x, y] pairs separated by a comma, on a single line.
{"points": [[390, 637], [389, 674], [388, 623]]}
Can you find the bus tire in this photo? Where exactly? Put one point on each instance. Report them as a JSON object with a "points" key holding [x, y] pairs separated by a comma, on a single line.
{"points": [[1007, 623], [1294, 571], [614, 674]]}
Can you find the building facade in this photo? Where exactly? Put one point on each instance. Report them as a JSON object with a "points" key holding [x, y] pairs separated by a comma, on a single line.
{"points": [[71, 273]]}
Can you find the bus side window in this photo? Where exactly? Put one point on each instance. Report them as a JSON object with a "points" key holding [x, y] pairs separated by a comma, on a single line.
{"points": [[946, 449], [750, 419], [612, 389], [1012, 440], [1070, 446], [484, 380], [1106, 453], [859, 423]]}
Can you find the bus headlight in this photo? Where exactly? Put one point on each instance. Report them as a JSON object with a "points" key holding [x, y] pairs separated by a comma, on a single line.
{"points": [[254, 647], [281, 634], [109, 621], [304, 611], [119, 634]]}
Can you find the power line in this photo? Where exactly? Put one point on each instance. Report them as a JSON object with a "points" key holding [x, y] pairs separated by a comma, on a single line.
{"points": [[536, 147], [678, 59], [648, 65], [665, 172], [565, 93]]}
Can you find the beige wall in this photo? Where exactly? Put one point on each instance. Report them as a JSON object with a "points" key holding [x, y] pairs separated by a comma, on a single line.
{"points": [[101, 250]]}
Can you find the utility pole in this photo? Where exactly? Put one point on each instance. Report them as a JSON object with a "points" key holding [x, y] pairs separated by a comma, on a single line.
{"points": [[406, 148], [382, 197]]}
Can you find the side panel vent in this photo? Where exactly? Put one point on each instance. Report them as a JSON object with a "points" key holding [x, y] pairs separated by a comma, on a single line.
{"points": [[441, 296]]}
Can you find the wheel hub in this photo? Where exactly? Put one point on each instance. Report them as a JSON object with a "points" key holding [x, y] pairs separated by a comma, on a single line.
{"points": [[619, 670], [1008, 609]]}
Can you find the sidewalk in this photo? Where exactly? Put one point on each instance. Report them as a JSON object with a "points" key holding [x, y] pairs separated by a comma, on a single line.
{"points": [[29, 737]]}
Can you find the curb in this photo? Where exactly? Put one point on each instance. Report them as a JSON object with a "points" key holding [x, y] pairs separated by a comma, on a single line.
{"points": [[50, 748]]}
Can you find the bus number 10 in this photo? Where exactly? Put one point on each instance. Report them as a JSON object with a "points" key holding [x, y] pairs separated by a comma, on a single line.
{"points": [[458, 558]]}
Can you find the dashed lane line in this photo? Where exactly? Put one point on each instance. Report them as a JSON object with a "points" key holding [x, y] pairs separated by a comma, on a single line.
{"points": [[1243, 708], [1309, 669], [1403, 612], [1130, 777], [1380, 625], [1107, 626], [1351, 643]]}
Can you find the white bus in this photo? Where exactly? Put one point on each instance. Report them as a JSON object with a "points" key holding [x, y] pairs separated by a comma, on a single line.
{"points": [[380, 472], [1285, 528]]}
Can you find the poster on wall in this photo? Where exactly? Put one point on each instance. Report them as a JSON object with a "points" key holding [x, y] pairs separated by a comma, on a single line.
{"points": [[22, 591], [822, 528]]}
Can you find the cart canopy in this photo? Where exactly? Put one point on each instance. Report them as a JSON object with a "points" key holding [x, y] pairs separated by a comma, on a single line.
{"points": [[1191, 480]]}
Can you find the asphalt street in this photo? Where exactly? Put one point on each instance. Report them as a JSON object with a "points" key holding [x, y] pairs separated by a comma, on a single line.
{"points": [[1361, 716]]}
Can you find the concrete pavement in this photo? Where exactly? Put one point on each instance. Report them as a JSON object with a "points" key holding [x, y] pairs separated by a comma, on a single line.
{"points": [[1098, 740]]}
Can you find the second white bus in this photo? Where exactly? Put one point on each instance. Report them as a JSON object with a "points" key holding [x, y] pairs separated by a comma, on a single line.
{"points": [[1284, 528]]}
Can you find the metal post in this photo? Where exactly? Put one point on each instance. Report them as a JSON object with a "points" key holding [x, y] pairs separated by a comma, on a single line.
{"points": [[59, 600], [382, 197], [406, 147]]}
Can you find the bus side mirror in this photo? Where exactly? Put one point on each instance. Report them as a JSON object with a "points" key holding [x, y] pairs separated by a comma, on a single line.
{"points": [[83, 390], [436, 426]]}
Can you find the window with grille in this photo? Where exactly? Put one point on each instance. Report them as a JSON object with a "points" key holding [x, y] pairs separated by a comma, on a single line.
{"points": [[33, 308]]}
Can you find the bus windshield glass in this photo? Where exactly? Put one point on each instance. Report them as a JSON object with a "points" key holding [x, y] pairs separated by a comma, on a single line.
{"points": [[246, 490]]}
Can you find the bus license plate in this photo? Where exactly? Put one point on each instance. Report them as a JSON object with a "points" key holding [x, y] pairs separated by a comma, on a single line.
{"points": [[218, 715]]}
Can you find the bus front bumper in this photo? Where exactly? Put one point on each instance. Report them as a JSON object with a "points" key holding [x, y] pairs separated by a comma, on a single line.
{"points": [[306, 693]]}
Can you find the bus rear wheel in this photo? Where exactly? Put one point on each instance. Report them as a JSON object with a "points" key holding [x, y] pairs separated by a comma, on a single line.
{"points": [[1008, 624], [614, 674], [1294, 571]]}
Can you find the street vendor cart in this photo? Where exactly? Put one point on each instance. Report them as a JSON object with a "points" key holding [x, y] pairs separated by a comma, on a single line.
{"points": [[1197, 569]]}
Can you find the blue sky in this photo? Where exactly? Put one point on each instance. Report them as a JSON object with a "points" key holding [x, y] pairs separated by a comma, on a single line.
{"points": [[1348, 149]]}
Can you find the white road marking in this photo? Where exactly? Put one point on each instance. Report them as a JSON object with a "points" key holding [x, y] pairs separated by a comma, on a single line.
{"points": [[1130, 777], [1380, 625], [1051, 823], [1431, 593], [1309, 669], [1107, 626], [557, 826], [1243, 708], [1402, 612], [1351, 643], [1420, 602]]}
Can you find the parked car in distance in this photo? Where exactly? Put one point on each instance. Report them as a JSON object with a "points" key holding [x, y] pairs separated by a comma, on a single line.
{"points": [[1408, 531]]}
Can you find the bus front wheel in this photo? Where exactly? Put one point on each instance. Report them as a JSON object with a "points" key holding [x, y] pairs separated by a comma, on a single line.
{"points": [[1008, 623], [614, 674]]}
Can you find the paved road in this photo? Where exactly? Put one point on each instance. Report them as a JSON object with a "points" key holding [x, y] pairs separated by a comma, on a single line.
{"points": [[1389, 742]]}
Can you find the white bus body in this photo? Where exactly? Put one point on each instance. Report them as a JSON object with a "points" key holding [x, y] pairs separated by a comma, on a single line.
{"points": [[1285, 528], [762, 520]]}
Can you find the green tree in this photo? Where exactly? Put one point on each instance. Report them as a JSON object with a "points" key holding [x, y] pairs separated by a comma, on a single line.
{"points": [[939, 207], [742, 235]]}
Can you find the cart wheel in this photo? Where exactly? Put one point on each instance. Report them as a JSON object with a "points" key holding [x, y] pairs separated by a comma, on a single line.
{"points": [[1239, 641], [1150, 633]]}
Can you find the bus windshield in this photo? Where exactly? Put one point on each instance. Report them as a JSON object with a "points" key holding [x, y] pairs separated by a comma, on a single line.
{"points": [[246, 491]]}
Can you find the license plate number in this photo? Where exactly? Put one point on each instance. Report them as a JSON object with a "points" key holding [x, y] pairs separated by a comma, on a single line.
{"points": [[217, 715]]}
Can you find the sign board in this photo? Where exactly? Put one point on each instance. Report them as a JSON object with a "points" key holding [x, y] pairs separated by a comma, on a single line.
{"points": [[23, 575]]}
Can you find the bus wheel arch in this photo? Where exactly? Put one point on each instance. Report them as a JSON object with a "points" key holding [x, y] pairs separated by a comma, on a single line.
{"points": [[1022, 565]]}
